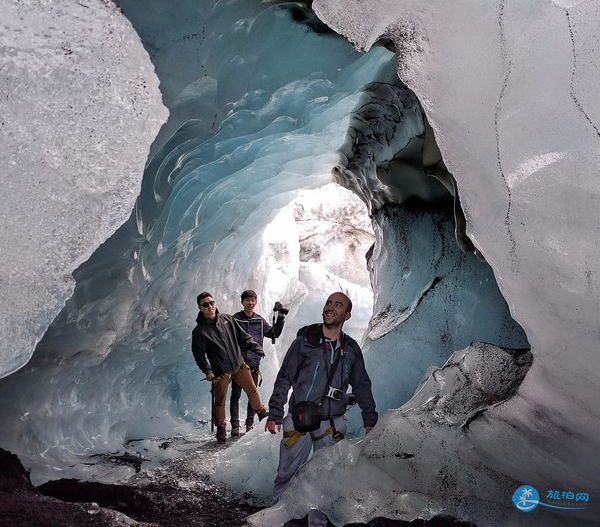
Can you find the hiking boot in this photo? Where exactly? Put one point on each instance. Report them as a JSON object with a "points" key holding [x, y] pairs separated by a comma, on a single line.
{"points": [[262, 413], [221, 434], [249, 427], [235, 427]]}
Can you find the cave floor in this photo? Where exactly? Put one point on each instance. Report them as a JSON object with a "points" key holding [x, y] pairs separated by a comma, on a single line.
{"points": [[176, 496]]}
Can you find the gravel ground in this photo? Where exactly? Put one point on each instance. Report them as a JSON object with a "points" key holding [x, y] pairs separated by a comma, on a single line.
{"points": [[175, 496]]}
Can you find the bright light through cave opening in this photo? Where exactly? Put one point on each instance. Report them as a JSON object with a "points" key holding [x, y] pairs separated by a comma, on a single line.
{"points": [[334, 234]]}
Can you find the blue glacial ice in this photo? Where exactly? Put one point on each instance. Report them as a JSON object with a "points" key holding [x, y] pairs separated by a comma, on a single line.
{"points": [[269, 114]]}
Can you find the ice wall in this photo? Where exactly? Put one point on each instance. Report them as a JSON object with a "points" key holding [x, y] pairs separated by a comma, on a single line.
{"points": [[223, 206], [277, 109], [509, 88], [80, 107]]}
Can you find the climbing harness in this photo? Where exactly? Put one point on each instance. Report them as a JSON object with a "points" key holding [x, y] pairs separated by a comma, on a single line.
{"points": [[292, 436]]}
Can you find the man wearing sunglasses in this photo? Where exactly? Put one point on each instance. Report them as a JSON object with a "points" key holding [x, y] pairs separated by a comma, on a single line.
{"points": [[216, 342]]}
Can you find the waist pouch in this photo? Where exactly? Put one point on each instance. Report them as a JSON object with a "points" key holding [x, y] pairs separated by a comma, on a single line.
{"points": [[306, 416]]}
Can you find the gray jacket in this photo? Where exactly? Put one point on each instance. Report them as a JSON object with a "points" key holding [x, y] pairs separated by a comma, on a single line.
{"points": [[306, 368]]}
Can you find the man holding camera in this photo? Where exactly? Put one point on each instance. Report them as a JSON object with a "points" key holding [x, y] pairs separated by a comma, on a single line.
{"points": [[258, 328], [319, 366]]}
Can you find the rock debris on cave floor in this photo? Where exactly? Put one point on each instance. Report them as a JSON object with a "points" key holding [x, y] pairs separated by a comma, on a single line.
{"points": [[174, 496]]}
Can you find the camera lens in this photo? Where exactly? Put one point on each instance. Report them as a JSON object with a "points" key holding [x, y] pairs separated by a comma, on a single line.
{"points": [[279, 308]]}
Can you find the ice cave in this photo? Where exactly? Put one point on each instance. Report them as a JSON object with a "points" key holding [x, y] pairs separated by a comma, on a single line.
{"points": [[437, 161]]}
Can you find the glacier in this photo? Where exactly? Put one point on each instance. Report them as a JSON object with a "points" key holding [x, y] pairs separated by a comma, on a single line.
{"points": [[75, 140], [516, 122], [459, 157]]}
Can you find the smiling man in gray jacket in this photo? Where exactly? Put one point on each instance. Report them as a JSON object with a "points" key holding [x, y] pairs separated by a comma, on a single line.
{"points": [[306, 369]]}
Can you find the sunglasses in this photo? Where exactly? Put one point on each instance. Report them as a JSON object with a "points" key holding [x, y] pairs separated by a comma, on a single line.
{"points": [[208, 304]]}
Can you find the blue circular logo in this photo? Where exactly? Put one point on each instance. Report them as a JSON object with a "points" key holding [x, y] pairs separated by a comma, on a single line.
{"points": [[526, 498]]}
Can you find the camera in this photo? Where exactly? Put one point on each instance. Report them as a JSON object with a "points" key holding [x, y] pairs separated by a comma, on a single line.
{"points": [[335, 393], [279, 308]]}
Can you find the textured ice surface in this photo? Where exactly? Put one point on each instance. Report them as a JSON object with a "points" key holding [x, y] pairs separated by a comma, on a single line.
{"points": [[219, 209], [511, 99], [80, 107]]}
